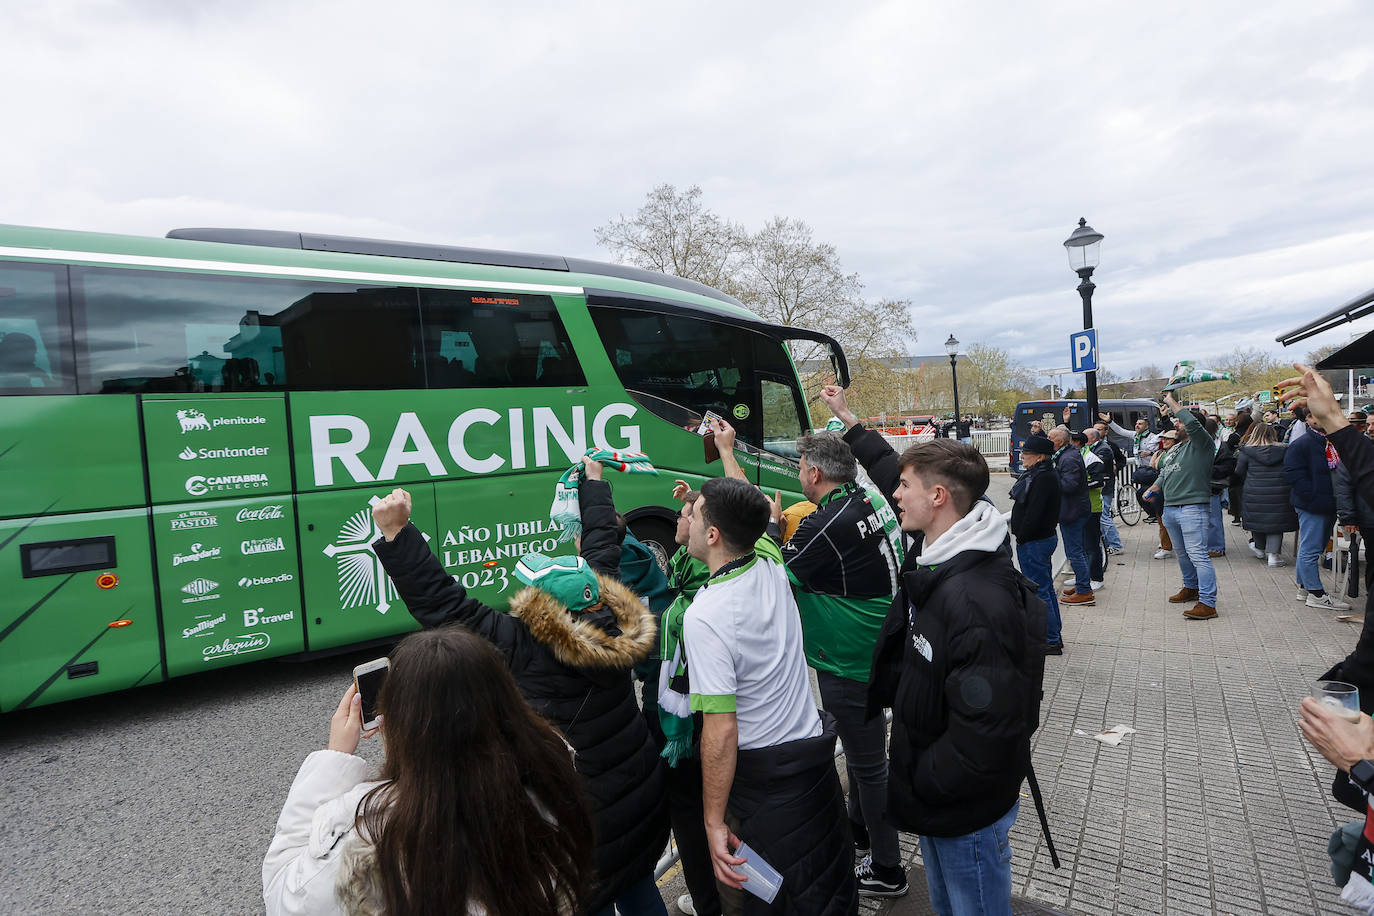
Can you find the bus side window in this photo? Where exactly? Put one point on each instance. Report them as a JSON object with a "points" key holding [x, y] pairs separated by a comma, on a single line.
{"points": [[33, 318], [475, 339]]}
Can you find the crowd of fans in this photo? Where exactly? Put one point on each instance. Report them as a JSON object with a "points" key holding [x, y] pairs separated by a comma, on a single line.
{"points": [[525, 773]]}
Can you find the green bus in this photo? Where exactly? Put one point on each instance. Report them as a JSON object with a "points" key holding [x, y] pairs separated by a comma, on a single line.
{"points": [[192, 430]]}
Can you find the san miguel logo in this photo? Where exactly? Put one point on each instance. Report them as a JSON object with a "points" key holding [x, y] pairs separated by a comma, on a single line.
{"points": [[362, 580]]}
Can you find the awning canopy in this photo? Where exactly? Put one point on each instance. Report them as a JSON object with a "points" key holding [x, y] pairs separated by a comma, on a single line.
{"points": [[1358, 307], [1358, 354]]}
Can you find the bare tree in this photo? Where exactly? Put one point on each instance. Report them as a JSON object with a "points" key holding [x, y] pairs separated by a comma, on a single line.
{"points": [[675, 234]]}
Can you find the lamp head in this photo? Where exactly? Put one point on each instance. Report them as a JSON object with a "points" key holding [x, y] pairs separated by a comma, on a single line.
{"points": [[1083, 247], [952, 346]]}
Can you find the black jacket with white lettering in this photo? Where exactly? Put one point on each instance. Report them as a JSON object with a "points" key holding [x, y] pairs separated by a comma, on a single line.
{"points": [[960, 661], [841, 548]]}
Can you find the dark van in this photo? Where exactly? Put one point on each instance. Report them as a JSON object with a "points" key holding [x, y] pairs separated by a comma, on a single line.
{"points": [[1124, 411]]}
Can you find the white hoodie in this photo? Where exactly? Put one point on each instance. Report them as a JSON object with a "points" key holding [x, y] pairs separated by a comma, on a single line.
{"points": [[983, 529]]}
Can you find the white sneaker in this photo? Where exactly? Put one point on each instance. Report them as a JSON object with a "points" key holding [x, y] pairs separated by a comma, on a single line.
{"points": [[1327, 602], [1255, 550], [1096, 584], [1276, 560], [1301, 595], [1162, 554], [684, 903]]}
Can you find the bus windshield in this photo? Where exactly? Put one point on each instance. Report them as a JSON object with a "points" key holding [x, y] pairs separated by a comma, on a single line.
{"points": [[681, 368]]}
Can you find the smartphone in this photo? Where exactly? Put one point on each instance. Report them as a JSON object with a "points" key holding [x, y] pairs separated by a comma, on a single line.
{"points": [[369, 677]]}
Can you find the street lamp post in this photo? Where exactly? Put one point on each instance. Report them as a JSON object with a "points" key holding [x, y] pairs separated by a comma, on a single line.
{"points": [[1082, 247], [952, 348]]}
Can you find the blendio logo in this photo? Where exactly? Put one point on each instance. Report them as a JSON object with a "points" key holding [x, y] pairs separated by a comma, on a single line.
{"points": [[261, 514], [252, 451], [186, 521], [198, 552], [252, 581], [192, 420], [199, 486], [200, 590], [254, 617], [261, 545]]}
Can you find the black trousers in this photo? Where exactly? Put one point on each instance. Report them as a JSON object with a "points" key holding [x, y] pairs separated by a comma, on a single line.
{"points": [[1094, 546]]}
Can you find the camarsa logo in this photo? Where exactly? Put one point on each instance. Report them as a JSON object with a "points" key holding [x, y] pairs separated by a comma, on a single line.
{"points": [[261, 545], [362, 580]]}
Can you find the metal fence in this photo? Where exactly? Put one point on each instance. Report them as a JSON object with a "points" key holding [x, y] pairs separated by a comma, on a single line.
{"points": [[993, 444]]}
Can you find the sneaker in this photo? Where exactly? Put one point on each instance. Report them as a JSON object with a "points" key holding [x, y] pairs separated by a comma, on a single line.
{"points": [[1097, 583], [1301, 595], [1327, 602], [1200, 611], [1216, 553], [1184, 595], [862, 848], [1162, 554], [1276, 560], [684, 905], [1078, 600], [1235, 521], [1115, 551], [1259, 554], [877, 881]]}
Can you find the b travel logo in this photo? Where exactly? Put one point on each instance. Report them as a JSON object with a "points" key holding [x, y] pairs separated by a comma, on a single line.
{"points": [[192, 420]]}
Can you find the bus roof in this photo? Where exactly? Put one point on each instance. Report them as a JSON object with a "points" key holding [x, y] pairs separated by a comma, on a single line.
{"points": [[280, 253]]}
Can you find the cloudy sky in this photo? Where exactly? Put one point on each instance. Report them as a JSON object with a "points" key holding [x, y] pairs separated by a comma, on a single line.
{"points": [[946, 149]]}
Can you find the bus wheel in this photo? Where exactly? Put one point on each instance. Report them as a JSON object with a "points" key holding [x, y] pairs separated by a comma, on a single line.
{"points": [[658, 535]]}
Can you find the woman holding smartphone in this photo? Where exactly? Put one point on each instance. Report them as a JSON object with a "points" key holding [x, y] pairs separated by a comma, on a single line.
{"points": [[477, 808]]}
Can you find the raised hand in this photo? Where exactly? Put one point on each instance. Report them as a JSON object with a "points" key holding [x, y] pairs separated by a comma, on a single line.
{"points": [[392, 513]]}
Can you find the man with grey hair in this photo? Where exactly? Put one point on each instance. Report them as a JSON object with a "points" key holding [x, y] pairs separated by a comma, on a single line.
{"points": [[843, 561]]}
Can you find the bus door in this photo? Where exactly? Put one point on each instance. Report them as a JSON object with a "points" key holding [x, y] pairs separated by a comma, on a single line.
{"points": [[79, 615], [224, 528]]}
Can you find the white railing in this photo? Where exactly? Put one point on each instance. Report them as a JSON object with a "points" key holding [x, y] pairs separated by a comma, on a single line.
{"points": [[993, 444]]}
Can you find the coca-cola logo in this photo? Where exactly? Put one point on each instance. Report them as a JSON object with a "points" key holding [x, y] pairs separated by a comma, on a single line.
{"points": [[260, 514]]}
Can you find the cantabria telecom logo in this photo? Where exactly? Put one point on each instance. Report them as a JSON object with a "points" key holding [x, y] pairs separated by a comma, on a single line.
{"points": [[362, 580]]}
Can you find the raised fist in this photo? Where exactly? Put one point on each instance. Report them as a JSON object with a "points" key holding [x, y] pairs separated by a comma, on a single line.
{"points": [[392, 513]]}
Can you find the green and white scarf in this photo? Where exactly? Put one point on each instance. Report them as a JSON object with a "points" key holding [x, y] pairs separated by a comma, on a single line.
{"points": [[566, 512]]}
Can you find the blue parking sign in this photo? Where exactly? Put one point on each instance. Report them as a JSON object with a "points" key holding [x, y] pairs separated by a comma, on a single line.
{"points": [[1083, 350]]}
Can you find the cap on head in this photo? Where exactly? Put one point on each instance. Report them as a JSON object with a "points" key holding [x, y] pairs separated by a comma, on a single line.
{"points": [[1169, 434], [1038, 445], [567, 579], [1078, 438]]}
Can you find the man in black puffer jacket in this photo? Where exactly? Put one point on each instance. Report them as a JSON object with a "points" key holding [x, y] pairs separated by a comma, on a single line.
{"points": [[960, 661], [572, 661]]}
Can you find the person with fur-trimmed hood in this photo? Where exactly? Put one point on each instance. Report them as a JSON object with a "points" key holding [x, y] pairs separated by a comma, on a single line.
{"points": [[571, 640]]}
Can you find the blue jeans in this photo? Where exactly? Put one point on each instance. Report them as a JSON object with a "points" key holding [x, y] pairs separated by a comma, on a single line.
{"points": [[639, 899], [1313, 531], [1216, 528], [865, 758], [1034, 558], [1187, 527], [1110, 535], [970, 875], [1072, 533]]}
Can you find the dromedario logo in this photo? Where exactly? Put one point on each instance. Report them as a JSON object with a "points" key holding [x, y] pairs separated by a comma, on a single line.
{"points": [[362, 580]]}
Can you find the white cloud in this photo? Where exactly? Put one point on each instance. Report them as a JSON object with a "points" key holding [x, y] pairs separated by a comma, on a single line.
{"points": [[945, 149]]}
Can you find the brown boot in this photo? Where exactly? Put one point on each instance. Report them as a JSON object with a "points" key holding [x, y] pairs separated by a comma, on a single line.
{"points": [[1077, 600], [1068, 591], [1200, 611], [1184, 596]]}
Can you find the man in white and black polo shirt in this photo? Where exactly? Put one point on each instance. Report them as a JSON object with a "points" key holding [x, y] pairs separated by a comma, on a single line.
{"points": [[767, 754]]}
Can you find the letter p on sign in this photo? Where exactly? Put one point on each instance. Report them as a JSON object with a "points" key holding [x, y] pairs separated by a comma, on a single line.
{"points": [[1083, 350]]}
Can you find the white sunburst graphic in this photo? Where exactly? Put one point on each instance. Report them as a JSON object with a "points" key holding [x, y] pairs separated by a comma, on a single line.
{"points": [[362, 580]]}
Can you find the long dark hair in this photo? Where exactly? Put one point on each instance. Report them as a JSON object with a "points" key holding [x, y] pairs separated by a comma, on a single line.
{"points": [[482, 803]]}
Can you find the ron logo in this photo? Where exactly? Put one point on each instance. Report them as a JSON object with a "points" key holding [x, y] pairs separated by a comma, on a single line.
{"points": [[192, 419], [362, 580]]}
